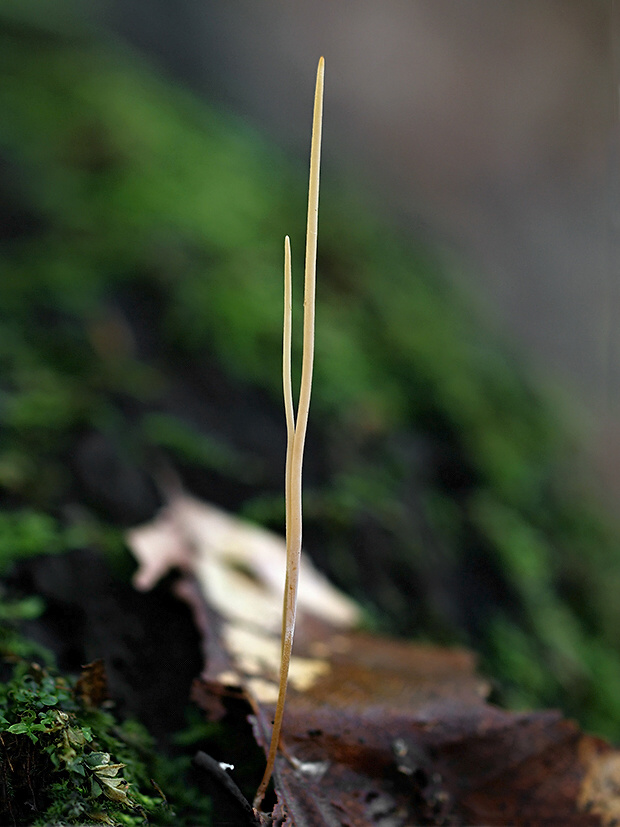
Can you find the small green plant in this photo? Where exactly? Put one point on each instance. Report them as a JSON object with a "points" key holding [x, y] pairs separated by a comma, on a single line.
{"points": [[296, 426], [65, 760], [51, 758]]}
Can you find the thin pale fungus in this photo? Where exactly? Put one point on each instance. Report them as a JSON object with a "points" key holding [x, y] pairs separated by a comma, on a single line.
{"points": [[296, 426]]}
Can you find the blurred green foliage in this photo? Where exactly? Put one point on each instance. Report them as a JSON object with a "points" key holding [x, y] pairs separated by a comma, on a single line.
{"points": [[438, 495]]}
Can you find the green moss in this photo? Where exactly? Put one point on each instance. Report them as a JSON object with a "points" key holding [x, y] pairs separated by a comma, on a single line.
{"points": [[31, 533], [189, 445], [63, 760]]}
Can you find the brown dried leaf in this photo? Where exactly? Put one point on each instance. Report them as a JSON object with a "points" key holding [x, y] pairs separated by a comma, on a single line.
{"points": [[376, 731], [240, 568], [92, 685]]}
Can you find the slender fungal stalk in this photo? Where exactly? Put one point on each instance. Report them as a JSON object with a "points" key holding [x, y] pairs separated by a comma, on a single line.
{"points": [[296, 429], [286, 379]]}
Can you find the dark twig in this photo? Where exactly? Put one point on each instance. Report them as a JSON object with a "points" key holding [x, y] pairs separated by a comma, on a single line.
{"points": [[219, 774]]}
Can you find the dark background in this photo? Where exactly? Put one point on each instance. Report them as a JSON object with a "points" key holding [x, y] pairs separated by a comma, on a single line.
{"points": [[491, 128]]}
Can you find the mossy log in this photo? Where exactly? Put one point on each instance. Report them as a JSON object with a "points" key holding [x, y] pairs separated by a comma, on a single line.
{"points": [[140, 326]]}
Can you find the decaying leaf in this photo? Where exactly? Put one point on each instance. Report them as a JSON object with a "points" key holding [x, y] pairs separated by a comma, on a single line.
{"points": [[240, 568], [106, 778], [92, 685], [376, 731]]}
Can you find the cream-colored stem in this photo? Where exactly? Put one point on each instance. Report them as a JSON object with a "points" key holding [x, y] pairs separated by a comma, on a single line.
{"points": [[286, 363], [289, 415], [296, 430]]}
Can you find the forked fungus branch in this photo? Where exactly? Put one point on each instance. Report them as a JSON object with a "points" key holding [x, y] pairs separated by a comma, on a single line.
{"points": [[296, 426]]}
